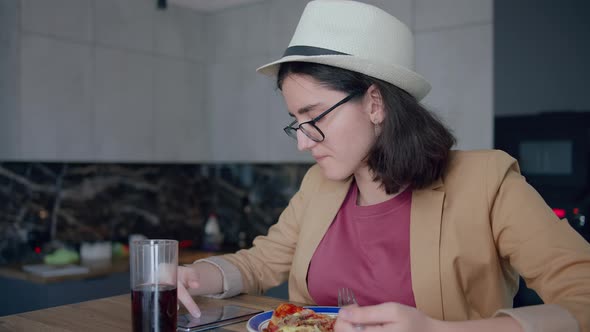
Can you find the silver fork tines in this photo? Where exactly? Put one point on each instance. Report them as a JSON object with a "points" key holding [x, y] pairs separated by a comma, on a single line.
{"points": [[346, 297]]}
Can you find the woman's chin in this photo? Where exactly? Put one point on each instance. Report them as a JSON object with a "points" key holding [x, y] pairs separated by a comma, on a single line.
{"points": [[334, 174]]}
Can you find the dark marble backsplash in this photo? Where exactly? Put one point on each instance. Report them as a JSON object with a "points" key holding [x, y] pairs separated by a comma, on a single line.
{"points": [[70, 203]]}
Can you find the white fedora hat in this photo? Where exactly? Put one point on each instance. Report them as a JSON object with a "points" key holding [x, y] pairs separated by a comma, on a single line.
{"points": [[358, 37]]}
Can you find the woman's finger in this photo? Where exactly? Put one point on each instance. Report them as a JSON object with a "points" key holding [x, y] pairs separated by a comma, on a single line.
{"points": [[187, 300], [377, 314], [343, 326], [193, 284]]}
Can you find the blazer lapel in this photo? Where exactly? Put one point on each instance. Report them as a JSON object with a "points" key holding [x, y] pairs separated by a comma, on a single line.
{"points": [[425, 233], [322, 210]]}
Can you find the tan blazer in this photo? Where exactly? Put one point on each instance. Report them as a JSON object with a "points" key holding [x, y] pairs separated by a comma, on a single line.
{"points": [[471, 234]]}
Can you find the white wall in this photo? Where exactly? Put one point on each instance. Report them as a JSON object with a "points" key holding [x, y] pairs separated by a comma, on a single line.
{"points": [[454, 51], [242, 102], [106, 80], [9, 79]]}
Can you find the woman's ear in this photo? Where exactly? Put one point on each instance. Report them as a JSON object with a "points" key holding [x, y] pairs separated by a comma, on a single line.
{"points": [[375, 106]]}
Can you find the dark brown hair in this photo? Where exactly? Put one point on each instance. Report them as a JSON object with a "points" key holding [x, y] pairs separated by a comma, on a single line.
{"points": [[413, 146]]}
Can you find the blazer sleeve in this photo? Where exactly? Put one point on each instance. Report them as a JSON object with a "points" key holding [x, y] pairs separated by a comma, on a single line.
{"points": [[552, 258], [268, 262]]}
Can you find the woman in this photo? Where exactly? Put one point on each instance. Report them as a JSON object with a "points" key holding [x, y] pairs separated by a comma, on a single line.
{"points": [[429, 239]]}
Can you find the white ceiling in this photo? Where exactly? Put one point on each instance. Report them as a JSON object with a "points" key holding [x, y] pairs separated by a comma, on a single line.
{"points": [[210, 5]]}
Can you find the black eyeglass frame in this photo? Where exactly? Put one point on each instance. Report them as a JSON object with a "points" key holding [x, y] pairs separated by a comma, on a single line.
{"points": [[290, 129]]}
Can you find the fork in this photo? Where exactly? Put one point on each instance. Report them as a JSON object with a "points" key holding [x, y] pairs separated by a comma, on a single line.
{"points": [[346, 297]]}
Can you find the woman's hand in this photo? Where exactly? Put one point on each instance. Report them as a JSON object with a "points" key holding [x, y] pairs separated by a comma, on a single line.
{"points": [[188, 278], [392, 317], [200, 278]]}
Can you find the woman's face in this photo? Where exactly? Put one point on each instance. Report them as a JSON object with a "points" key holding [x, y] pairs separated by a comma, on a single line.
{"points": [[348, 129]]}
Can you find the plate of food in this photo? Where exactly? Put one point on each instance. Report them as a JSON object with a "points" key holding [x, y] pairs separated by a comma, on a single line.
{"points": [[289, 317]]}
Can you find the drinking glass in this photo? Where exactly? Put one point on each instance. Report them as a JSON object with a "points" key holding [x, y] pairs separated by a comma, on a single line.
{"points": [[153, 265]]}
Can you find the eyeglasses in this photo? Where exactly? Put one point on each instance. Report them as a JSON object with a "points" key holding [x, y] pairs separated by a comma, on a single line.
{"points": [[309, 128]]}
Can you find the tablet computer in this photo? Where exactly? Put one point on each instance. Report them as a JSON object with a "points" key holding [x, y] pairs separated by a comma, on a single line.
{"points": [[212, 317]]}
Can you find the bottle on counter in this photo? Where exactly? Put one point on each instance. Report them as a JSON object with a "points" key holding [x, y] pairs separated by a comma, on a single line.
{"points": [[213, 237], [242, 240], [580, 224]]}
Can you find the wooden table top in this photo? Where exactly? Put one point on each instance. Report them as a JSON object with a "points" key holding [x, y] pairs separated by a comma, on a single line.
{"points": [[113, 314]]}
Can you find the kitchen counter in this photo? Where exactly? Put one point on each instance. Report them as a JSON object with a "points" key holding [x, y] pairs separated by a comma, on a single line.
{"points": [[118, 265], [22, 291]]}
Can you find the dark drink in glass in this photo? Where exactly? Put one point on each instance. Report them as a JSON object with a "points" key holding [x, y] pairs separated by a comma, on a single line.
{"points": [[154, 308], [153, 267]]}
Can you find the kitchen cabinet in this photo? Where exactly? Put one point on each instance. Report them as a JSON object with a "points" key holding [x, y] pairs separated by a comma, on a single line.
{"points": [[22, 295]]}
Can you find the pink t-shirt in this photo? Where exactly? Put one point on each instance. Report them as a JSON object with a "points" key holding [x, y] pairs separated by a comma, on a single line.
{"points": [[367, 249]]}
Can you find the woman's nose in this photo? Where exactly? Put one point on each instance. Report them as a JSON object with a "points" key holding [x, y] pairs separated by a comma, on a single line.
{"points": [[304, 142]]}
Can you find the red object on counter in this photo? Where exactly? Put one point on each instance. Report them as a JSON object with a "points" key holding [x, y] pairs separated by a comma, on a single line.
{"points": [[559, 212], [185, 244]]}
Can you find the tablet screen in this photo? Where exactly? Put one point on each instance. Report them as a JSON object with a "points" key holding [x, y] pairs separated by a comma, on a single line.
{"points": [[216, 316]]}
